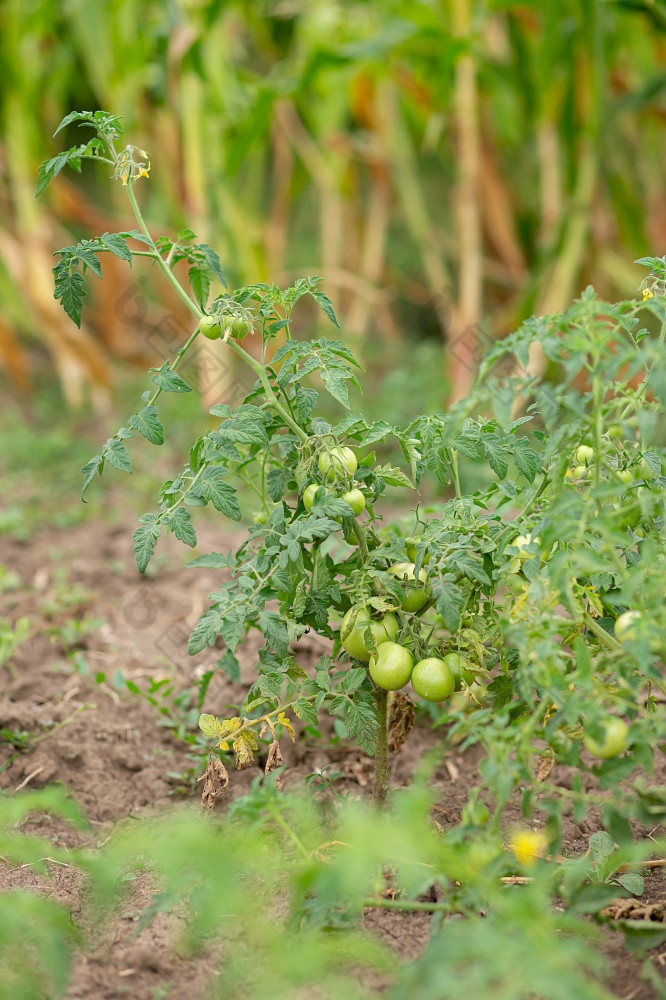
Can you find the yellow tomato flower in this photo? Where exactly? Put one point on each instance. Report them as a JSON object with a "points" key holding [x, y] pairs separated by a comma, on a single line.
{"points": [[528, 845], [647, 294]]}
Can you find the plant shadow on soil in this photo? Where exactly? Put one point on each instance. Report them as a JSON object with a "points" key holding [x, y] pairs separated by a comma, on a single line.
{"points": [[118, 757]]}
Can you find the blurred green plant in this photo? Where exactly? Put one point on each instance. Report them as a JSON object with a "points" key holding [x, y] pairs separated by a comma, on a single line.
{"points": [[285, 901]]}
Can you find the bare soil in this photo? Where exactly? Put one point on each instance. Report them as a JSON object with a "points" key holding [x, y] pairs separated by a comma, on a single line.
{"points": [[118, 758]]}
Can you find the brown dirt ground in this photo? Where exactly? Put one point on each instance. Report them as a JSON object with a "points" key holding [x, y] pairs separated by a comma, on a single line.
{"points": [[109, 749]]}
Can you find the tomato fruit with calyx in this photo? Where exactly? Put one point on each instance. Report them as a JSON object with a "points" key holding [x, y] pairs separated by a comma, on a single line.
{"points": [[614, 742], [391, 666], [355, 624], [337, 462], [584, 454], [460, 668], [415, 595], [433, 679], [210, 327], [355, 499]]}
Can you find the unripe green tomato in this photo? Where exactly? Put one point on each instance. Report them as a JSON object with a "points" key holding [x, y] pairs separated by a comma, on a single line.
{"points": [[460, 668], [210, 327], [240, 327], [583, 454], [410, 548], [614, 742], [415, 596], [625, 626], [337, 462], [645, 470], [521, 542], [624, 476], [515, 583], [260, 517], [355, 499], [581, 472], [354, 625], [391, 666], [309, 495], [433, 679], [615, 431]]}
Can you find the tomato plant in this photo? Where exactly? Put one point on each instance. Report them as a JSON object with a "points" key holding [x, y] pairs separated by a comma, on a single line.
{"points": [[514, 585]]}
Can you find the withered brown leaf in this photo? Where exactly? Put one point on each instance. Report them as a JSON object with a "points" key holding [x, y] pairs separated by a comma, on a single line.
{"points": [[215, 780]]}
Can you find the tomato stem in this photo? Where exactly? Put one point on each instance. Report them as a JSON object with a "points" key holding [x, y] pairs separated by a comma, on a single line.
{"points": [[381, 782]]}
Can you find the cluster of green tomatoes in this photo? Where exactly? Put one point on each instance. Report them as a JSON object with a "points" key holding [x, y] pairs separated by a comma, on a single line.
{"points": [[390, 664], [225, 325]]}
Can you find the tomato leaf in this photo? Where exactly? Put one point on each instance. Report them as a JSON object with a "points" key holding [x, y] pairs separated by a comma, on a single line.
{"points": [[148, 424]]}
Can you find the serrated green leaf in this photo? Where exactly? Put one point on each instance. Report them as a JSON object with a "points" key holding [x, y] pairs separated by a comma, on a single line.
{"points": [[496, 454], [213, 560], [326, 306], [148, 424], [393, 476], [199, 280], [526, 458], [117, 455], [91, 469], [115, 243], [205, 632], [70, 290], [180, 523], [449, 601], [212, 261], [145, 539], [276, 483], [213, 488], [169, 380]]}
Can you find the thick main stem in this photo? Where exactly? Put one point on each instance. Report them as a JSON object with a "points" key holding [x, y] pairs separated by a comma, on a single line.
{"points": [[381, 782]]}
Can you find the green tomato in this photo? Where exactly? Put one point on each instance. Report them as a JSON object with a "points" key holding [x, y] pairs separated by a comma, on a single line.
{"points": [[355, 499], [515, 583], [391, 666], [581, 472], [415, 596], [411, 543], [433, 679], [624, 476], [210, 327], [460, 668], [521, 542], [614, 742], [309, 495], [240, 327], [583, 455], [354, 625], [615, 431], [260, 517], [336, 463], [645, 470], [625, 626]]}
